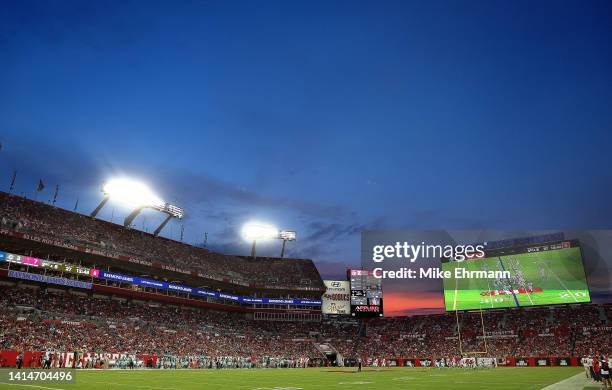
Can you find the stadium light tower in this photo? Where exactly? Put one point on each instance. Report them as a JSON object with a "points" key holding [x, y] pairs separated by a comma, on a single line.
{"points": [[286, 235], [254, 231], [137, 195]]}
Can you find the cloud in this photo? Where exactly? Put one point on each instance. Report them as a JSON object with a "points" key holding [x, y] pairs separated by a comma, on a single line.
{"points": [[331, 231], [322, 230], [331, 270], [201, 188], [398, 303]]}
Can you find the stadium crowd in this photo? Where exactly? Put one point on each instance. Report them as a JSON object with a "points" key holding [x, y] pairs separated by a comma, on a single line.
{"points": [[40, 319], [560, 331], [24, 215]]}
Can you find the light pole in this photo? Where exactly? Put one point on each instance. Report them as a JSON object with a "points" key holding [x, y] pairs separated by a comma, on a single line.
{"points": [[254, 231], [286, 235], [139, 196]]}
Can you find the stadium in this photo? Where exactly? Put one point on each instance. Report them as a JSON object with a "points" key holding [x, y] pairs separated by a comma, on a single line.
{"points": [[104, 299], [305, 195]]}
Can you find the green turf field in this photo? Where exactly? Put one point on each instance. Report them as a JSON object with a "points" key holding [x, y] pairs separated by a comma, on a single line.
{"points": [[560, 273], [314, 378]]}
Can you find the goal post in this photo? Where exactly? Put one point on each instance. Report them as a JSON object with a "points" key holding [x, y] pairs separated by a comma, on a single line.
{"points": [[484, 336]]}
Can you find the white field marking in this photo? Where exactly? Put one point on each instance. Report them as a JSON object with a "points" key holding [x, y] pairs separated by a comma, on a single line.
{"points": [[404, 378], [576, 382], [140, 386], [455, 300], [38, 387], [354, 383], [529, 295], [277, 388], [489, 289], [559, 280]]}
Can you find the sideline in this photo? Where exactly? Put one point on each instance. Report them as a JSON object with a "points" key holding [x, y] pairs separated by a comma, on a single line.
{"points": [[26, 385], [576, 382]]}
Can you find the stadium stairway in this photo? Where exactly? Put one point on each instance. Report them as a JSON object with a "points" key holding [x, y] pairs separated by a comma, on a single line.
{"points": [[503, 321], [327, 351], [573, 336], [602, 315], [325, 348], [460, 325], [516, 346], [551, 318]]}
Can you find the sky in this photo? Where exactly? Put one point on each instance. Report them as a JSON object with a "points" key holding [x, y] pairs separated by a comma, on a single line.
{"points": [[328, 118]]}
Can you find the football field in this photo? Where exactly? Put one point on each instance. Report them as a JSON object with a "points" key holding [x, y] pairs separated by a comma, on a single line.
{"points": [[552, 277], [313, 378]]}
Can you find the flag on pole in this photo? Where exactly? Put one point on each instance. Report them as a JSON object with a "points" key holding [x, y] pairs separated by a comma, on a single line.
{"points": [[13, 181], [41, 186], [55, 194], [76, 204]]}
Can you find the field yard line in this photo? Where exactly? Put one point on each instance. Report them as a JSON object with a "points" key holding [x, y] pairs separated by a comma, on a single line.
{"points": [[576, 382], [455, 300], [489, 290], [559, 280], [528, 296], [38, 387], [130, 385]]}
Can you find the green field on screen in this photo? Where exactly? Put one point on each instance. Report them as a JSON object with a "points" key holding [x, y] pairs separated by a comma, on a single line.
{"points": [[550, 277]]}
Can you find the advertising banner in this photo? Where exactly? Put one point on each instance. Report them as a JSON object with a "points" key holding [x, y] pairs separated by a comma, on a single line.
{"points": [[563, 361], [138, 281], [541, 362], [337, 297], [521, 362], [48, 279]]}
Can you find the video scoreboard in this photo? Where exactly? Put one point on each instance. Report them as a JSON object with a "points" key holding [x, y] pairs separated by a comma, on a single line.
{"points": [[538, 274], [366, 294]]}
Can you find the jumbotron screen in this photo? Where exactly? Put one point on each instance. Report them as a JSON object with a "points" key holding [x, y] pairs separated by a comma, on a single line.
{"points": [[544, 274], [366, 294]]}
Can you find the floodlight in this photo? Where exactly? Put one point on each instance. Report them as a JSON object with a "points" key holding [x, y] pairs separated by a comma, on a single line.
{"points": [[256, 231], [287, 235], [132, 192], [140, 196]]}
